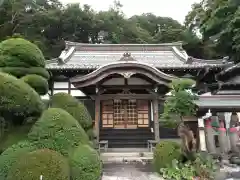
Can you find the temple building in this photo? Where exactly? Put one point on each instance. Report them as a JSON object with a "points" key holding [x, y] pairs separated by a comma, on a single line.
{"points": [[124, 85]]}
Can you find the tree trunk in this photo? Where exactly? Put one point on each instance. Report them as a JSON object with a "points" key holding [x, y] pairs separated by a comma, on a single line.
{"points": [[188, 143]]}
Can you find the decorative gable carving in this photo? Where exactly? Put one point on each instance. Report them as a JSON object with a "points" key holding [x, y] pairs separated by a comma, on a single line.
{"points": [[127, 74], [127, 57]]}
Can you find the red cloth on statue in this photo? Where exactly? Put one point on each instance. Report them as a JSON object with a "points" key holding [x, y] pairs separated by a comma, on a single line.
{"points": [[208, 123]]}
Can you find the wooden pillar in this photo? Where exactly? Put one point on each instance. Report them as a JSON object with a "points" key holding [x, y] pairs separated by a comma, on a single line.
{"points": [[156, 119], [69, 87], [97, 117], [51, 84]]}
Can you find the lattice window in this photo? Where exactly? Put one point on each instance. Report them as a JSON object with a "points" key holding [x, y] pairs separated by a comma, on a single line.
{"points": [[132, 112], [119, 113], [107, 113], [143, 113]]}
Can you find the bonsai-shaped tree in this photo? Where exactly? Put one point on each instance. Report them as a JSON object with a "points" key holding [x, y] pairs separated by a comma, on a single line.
{"points": [[179, 105]]}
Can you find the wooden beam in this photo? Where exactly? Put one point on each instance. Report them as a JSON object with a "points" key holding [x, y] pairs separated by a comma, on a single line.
{"points": [[126, 96], [156, 120], [69, 87], [97, 117]]}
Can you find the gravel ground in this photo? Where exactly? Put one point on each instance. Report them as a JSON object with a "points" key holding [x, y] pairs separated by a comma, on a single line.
{"points": [[144, 171]]}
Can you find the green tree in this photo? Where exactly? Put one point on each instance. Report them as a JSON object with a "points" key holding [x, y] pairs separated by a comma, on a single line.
{"points": [[218, 22], [178, 105]]}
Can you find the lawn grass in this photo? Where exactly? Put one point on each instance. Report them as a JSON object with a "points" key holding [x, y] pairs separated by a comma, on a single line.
{"points": [[14, 135]]}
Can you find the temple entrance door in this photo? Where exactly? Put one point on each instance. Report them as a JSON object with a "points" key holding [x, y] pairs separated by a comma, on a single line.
{"points": [[125, 114]]}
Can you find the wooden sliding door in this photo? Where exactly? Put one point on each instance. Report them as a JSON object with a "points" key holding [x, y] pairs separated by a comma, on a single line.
{"points": [[125, 114]]}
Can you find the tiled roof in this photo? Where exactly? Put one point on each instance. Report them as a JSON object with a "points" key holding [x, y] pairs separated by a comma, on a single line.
{"points": [[218, 101], [92, 56]]}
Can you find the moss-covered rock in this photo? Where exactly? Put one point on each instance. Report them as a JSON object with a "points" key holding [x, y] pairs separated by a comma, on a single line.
{"points": [[37, 82], [74, 107], [165, 152], [18, 100], [50, 164], [11, 155], [18, 52], [85, 164], [57, 130]]}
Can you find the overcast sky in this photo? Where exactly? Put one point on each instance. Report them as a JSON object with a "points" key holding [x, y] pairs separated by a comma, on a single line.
{"points": [[177, 9]]}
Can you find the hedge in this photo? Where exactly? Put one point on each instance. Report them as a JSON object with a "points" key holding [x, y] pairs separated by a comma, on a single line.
{"points": [[91, 134], [18, 100], [165, 152], [72, 106], [3, 126], [21, 71], [57, 130], [11, 155], [85, 164], [18, 52], [37, 82], [50, 164]]}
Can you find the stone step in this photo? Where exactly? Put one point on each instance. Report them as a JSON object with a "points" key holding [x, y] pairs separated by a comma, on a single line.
{"points": [[126, 157]]}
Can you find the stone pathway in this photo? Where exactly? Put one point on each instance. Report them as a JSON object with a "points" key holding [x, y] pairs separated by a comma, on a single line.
{"points": [[133, 171], [143, 171]]}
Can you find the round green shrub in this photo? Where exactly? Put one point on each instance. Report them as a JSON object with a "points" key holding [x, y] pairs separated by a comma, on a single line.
{"points": [[91, 134], [57, 130], [18, 100], [18, 52], [37, 82], [46, 103], [21, 71], [11, 155], [73, 107], [50, 164], [165, 152], [2, 127], [85, 164]]}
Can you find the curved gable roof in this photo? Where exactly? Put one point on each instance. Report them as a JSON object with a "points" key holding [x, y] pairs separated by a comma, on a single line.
{"points": [[93, 56], [125, 69]]}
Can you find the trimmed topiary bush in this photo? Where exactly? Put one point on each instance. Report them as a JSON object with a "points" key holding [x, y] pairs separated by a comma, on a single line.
{"points": [[3, 126], [57, 130], [20, 57], [165, 152], [91, 134], [11, 155], [18, 52], [52, 165], [74, 107], [37, 82], [18, 100], [85, 164], [21, 71]]}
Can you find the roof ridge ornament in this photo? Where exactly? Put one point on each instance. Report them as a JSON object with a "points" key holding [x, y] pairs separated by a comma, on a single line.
{"points": [[127, 57]]}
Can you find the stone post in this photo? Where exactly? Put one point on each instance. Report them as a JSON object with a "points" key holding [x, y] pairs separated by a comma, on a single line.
{"points": [[227, 117], [233, 132], [202, 137], [222, 137], [210, 141]]}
